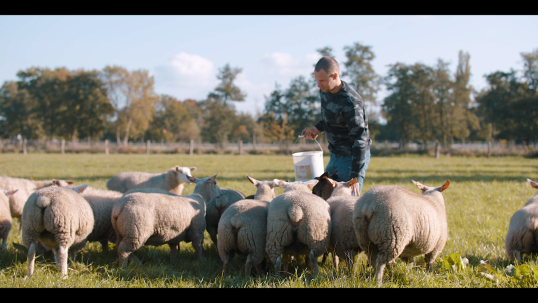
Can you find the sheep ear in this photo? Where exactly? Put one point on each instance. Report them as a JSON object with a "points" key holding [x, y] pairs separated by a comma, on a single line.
{"points": [[445, 186], [191, 179], [333, 183], [351, 182], [252, 180], [420, 186], [177, 168], [310, 185], [214, 178], [69, 182], [532, 183], [192, 168], [10, 192], [80, 189]]}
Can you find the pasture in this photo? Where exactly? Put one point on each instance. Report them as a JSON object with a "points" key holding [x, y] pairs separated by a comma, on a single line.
{"points": [[483, 195]]}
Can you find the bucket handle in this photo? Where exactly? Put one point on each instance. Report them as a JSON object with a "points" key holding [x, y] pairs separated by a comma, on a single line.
{"points": [[302, 136]]}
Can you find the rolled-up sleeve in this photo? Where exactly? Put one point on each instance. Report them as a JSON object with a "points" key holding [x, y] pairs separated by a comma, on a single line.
{"points": [[358, 133]]}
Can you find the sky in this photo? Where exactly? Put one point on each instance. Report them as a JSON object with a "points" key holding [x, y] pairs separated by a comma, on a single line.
{"points": [[185, 53]]}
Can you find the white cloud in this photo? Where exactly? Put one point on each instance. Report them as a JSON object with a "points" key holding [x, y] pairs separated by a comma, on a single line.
{"points": [[284, 64], [186, 76]]}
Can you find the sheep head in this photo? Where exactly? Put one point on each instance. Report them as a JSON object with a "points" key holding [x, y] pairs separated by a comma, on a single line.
{"points": [[325, 186], [426, 189], [182, 174]]}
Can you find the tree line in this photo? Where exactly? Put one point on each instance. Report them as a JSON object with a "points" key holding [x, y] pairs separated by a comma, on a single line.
{"points": [[424, 104]]}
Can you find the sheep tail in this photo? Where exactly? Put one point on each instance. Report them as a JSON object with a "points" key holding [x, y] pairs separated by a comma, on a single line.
{"points": [[295, 214], [43, 201]]}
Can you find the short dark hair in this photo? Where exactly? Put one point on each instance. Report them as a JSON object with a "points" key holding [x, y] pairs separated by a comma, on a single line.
{"points": [[328, 64]]}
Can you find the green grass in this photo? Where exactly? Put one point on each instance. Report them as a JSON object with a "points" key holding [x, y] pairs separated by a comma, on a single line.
{"points": [[483, 195]]}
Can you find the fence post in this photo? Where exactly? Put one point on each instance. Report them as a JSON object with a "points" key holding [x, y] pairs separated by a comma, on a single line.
{"points": [[387, 148], [147, 147], [191, 147], [489, 148], [106, 147], [240, 147], [62, 148], [24, 146], [437, 149]]}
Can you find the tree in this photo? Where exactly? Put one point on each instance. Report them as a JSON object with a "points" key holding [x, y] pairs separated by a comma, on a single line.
{"points": [[17, 114], [133, 96], [218, 121], [326, 51], [360, 71], [172, 121], [227, 90]]}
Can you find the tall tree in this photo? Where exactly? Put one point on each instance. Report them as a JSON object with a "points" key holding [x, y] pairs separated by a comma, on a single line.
{"points": [[17, 112], [227, 90], [360, 71], [133, 95]]}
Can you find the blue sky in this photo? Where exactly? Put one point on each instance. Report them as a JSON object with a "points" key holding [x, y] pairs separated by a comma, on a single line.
{"points": [[184, 53]]}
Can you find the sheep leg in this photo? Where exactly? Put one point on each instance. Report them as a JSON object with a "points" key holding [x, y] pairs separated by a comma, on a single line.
{"points": [[325, 255], [226, 263], [286, 259], [258, 268], [278, 266], [380, 268], [104, 246], [248, 266], [4, 243], [336, 260], [174, 250], [62, 252], [410, 262], [56, 256], [517, 255], [313, 263], [212, 230], [124, 253], [31, 259], [72, 255]]}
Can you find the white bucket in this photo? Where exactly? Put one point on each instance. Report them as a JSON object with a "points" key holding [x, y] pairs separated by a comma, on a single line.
{"points": [[308, 165]]}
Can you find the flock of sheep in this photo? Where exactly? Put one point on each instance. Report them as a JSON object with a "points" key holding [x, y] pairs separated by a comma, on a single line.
{"points": [[307, 220]]}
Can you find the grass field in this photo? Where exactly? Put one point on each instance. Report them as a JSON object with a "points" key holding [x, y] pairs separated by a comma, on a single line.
{"points": [[483, 195]]}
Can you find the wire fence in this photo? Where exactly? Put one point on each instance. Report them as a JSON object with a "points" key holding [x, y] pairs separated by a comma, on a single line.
{"points": [[239, 148]]}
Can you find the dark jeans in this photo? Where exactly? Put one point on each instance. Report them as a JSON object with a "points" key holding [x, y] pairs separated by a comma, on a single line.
{"points": [[342, 165]]}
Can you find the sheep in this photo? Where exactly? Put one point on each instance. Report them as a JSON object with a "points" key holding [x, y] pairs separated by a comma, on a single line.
{"points": [[102, 202], [343, 241], [60, 219], [5, 216], [243, 227], [324, 188], [216, 206], [522, 235], [393, 221], [143, 217], [26, 188], [172, 180], [298, 224]]}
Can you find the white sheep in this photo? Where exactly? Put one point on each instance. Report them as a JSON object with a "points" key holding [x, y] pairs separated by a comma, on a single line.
{"points": [[26, 188], [102, 202], [343, 241], [5, 216], [216, 206], [149, 217], [522, 235], [243, 227], [60, 219], [393, 221], [172, 180], [298, 224]]}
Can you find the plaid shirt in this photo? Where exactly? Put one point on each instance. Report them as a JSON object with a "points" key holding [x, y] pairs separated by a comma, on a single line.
{"points": [[346, 125]]}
